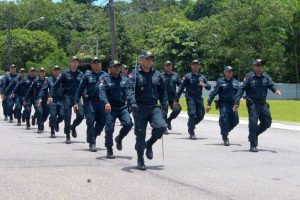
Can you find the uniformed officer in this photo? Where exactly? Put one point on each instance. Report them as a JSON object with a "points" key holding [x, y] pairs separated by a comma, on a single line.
{"points": [[93, 107], [8, 102], [56, 106], [194, 82], [124, 70], [226, 87], [256, 85], [147, 87], [4, 102], [40, 105], [21, 90], [16, 99], [172, 81], [69, 81], [114, 91]]}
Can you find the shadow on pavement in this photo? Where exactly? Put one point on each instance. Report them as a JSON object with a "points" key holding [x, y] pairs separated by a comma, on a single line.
{"points": [[221, 144], [87, 149], [259, 150], [117, 157], [131, 169], [190, 139]]}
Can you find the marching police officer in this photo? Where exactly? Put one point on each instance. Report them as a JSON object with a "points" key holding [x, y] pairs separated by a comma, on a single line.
{"points": [[147, 87], [194, 82], [21, 90], [93, 107], [56, 106], [8, 102], [16, 99], [114, 91], [256, 85], [40, 105], [172, 81], [124, 70], [226, 87], [69, 81]]}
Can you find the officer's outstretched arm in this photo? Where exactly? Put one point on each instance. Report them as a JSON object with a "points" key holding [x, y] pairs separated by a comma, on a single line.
{"points": [[82, 85], [30, 91], [180, 89], [57, 84], [131, 90], [213, 93], [241, 90], [103, 89], [163, 98], [44, 89]]}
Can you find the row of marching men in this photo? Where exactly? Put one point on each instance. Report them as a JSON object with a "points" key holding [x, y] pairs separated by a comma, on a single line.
{"points": [[102, 98]]}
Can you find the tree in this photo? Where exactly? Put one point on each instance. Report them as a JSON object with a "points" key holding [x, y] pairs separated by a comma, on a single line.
{"points": [[27, 45]]}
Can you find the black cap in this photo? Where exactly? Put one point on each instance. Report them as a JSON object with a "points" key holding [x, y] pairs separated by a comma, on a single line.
{"points": [[228, 68], [56, 67], [115, 63], [95, 59], [13, 65], [146, 54], [124, 66], [31, 69], [195, 61], [74, 58], [42, 69], [22, 70], [259, 61], [168, 62]]}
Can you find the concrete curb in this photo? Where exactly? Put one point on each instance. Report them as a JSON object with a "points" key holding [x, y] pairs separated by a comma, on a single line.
{"points": [[277, 125]]}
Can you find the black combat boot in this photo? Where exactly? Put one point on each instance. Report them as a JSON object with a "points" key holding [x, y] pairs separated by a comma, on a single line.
{"points": [[52, 133], [33, 120], [27, 124], [169, 125], [192, 134], [118, 141], [226, 141], [253, 147], [110, 154], [23, 117], [56, 128], [19, 122], [74, 133], [149, 152], [92, 147], [141, 162], [68, 139], [5, 118]]}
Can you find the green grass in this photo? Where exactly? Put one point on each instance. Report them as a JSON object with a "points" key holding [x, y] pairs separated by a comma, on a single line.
{"points": [[281, 110]]}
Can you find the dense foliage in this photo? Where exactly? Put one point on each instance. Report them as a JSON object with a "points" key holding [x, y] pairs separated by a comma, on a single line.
{"points": [[217, 32]]}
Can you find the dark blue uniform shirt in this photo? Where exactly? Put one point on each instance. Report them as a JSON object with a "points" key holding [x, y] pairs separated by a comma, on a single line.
{"points": [[256, 87], [172, 81], [69, 81], [147, 88], [90, 82], [114, 90], [191, 83], [23, 86], [226, 89], [35, 88]]}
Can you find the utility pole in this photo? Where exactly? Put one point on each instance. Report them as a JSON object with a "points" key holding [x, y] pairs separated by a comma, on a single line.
{"points": [[9, 36], [113, 33]]}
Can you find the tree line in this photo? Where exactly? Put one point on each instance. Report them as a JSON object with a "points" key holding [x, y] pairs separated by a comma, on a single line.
{"points": [[217, 32]]}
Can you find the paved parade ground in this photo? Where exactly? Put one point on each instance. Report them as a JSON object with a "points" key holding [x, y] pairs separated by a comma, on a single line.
{"points": [[34, 166]]}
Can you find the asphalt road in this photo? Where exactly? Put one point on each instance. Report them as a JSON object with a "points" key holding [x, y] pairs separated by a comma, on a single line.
{"points": [[34, 166]]}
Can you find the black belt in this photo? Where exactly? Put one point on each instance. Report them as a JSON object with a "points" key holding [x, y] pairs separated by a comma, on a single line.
{"points": [[147, 102]]}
